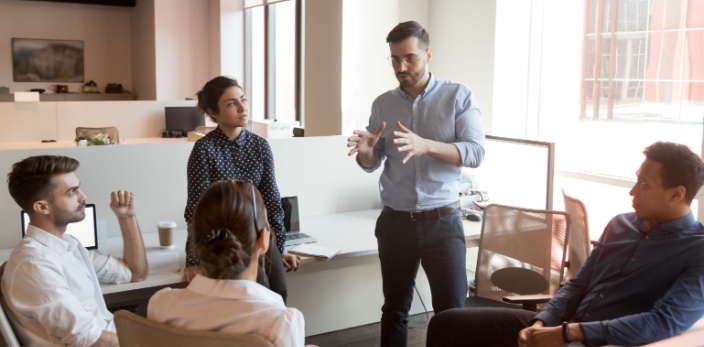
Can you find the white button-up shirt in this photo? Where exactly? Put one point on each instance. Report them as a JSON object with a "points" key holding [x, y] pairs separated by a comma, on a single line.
{"points": [[233, 306], [51, 287]]}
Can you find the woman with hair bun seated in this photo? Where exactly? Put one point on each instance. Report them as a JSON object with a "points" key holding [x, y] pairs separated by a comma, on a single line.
{"points": [[230, 233]]}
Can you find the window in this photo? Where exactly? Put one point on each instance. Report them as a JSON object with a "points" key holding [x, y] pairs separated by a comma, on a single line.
{"points": [[602, 79], [645, 60], [271, 58]]}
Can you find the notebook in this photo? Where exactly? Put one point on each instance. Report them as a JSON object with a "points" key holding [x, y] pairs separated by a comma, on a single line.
{"points": [[315, 251], [85, 231], [294, 236]]}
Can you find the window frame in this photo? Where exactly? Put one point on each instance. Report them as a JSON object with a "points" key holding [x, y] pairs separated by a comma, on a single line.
{"points": [[269, 97]]}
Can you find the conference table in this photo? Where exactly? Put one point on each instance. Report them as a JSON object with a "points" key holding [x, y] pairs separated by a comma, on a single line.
{"points": [[351, 232]]}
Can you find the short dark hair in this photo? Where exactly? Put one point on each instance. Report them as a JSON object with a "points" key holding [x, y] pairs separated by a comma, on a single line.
{"points": [[30, 179], [406, 30], [209, 96], [680, 167], [223, 228]]}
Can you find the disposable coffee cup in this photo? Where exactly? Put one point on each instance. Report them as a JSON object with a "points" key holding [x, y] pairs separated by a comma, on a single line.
{"points": [[166, 233]]}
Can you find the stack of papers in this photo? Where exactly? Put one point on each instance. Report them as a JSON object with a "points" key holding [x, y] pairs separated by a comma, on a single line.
{"points": [[313, 250], [163, 260]]}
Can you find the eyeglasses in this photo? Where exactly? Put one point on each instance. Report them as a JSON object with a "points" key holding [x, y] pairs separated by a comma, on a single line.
{"points": [[410, 59]]}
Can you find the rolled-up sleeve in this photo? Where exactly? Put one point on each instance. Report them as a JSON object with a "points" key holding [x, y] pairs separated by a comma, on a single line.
{"points": [[469, 130], [110, 269]]}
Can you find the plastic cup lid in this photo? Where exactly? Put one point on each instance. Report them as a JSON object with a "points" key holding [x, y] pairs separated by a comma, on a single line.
{"points": [[166, 224]]}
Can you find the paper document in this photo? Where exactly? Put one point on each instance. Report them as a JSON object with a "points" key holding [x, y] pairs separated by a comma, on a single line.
{"points": [[315, 250], [163, 260]]}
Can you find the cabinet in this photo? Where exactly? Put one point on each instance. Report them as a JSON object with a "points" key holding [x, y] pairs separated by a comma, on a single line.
{"points": [[75, 97]]}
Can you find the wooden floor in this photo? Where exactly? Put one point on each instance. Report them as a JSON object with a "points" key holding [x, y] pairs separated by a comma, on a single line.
{"points": [[368, 335]]}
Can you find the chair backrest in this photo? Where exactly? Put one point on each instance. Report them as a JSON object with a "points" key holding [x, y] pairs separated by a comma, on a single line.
{"points": [[8, 335], [199, 132], [202, 129], [137, 331], [521, 251], [579, 245], [112, 132]]}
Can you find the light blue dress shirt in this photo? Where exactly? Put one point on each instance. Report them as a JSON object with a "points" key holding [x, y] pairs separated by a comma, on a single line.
{"points": [[445, 112]]}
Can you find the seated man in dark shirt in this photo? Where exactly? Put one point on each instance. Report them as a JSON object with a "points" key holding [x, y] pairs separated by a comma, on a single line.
{"points": [[643, 282]]}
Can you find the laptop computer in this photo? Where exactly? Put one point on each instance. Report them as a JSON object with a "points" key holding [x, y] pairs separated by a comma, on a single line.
{"points": [[292, 223], [85, 231]]}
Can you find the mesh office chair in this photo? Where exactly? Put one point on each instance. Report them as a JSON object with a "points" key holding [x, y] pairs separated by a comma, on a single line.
{"points": [[111, 132], [521, 252], [8, 335], [579, 245], [136, 331]]}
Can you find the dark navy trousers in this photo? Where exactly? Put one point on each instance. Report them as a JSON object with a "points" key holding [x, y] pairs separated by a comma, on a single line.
{"points": [[435, 243]]}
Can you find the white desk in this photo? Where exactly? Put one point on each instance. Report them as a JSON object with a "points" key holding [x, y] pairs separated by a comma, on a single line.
{"points": [[321, 289]]}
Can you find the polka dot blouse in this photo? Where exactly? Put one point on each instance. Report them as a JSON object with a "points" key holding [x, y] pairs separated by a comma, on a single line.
{"points": [[215, 157]]}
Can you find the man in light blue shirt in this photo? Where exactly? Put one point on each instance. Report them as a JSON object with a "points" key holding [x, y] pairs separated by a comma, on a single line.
{"points": [[424, 131]]}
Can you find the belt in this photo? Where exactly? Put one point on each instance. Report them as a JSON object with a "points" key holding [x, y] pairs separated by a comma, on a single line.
{"points": [[423, 216]]}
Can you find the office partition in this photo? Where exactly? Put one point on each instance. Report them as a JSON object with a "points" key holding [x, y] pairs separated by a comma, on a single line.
{"points": [[517, 172]]}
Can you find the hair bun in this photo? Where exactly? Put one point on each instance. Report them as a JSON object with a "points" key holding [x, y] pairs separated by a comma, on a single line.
{"points": [[214, 235]]}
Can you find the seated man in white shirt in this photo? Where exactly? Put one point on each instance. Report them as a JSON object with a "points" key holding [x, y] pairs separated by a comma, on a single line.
{"points": [[51, 282]]}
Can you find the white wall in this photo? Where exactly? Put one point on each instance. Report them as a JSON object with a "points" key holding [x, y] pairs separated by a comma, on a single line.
{"points": [[462, 34], [104, 30], [157, 174], [365, 71], [348, 58]]}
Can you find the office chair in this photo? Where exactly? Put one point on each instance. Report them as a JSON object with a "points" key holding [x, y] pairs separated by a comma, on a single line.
{"points": [[199, 132], [203, 129], [521, 252], [137, 331], [112, 133], [8, 335], [579, 245]]}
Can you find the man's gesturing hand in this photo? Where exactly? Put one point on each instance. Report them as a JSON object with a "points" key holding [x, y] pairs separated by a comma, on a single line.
{"points": [[364, 141], [410, 142]]}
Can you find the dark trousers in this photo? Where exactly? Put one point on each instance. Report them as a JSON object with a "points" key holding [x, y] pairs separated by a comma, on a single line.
{"points": [[271, 273], [481, 327], [436, 244]]}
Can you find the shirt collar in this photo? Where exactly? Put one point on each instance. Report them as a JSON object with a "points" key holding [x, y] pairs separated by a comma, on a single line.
{"points": [[233, 289], [220, 136], [679, 225], [428, 88], [49, 240]]}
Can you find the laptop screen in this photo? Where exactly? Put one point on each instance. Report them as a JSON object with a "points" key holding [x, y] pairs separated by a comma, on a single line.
{"points": [[291, 221], [85, 230]]}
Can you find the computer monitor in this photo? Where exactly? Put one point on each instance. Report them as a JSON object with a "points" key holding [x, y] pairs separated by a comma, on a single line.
{"points": [[182, 119], [85, 231], [517, 172]]}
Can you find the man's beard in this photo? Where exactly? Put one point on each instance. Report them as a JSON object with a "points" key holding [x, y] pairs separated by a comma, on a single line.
{"points": [[412, 81], [64, 217]]}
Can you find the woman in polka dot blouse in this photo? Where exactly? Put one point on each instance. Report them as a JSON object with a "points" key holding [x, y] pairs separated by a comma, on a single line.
{"points": [[230, 151]]}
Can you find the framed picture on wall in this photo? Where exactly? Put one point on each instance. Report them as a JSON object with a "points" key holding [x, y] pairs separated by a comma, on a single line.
{"points": [[37, 60]]}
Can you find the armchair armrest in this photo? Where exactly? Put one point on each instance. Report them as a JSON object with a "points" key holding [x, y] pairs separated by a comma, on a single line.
{"points": [[529, 302]]}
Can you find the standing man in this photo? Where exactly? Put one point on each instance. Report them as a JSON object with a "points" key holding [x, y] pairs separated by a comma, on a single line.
{"points": [[50, 283], [642, 282], [434, 128]]}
